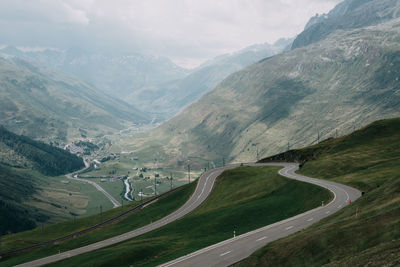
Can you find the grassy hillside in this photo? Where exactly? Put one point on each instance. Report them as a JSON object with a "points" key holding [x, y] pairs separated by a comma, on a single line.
{"points": [[243, 199], [48, 160], [364, 233], [331, 87], [48, 105], [159, 209], [14, 190], [20, 154]]}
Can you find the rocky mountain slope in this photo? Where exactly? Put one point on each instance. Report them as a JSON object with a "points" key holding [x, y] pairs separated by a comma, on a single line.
{"points": [[294, 99], [349, 14]]}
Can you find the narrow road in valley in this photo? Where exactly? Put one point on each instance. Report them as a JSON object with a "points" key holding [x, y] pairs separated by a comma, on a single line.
{"points": [[240, 247], [74, 176], [203, 189]]}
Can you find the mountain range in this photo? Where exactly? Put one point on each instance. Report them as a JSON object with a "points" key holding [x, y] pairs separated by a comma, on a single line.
{"points": [[45, 104], [329, 87], [154, 85], [114, 74], [168, 99]]}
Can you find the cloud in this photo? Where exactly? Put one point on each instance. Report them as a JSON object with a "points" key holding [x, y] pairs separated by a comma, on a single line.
{"points": [[184, 30], [42, 11]]}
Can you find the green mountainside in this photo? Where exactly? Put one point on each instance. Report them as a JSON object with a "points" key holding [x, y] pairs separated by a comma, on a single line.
{"points": [[18, 156], [349, 14], [48, 105], [365, 233], [328, 88], [44, 158], [167, 99]]}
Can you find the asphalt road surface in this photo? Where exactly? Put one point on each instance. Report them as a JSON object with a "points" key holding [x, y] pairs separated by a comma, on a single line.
{"points": [[240, 247], [203, 189], [235, 249], [74, 176]]}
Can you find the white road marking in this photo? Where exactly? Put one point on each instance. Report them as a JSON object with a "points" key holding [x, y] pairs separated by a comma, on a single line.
{"points": [[287, 170], [226, 253], [262, 238], [309, 220]]}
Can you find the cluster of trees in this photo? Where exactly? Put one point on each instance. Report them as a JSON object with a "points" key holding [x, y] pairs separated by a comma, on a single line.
{"points": [[15, 187], [14, 218], [47, 159]]}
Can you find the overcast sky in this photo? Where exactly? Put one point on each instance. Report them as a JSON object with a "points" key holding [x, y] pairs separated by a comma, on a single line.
{"points": [[187, 31]]}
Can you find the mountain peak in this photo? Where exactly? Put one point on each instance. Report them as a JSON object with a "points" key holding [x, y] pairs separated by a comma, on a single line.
{"points": [[349, 14]]}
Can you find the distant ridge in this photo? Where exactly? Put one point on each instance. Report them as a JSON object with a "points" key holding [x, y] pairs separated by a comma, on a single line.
{"points": [[49, 105]]}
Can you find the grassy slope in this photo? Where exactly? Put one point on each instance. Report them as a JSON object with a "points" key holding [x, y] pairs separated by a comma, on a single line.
{"points": [[347, 80], [50, 105], [152, 213], [366, 232], [19, 156], [243, 199]]}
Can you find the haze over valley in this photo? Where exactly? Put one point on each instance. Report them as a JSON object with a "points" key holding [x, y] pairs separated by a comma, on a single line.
{"points": [[199, 133]]}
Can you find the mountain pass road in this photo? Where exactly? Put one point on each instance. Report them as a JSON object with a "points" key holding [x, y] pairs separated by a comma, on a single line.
{"points": [[235, 249], [240, 247]]}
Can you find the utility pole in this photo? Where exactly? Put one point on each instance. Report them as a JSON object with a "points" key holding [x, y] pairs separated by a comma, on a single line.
{"points": [[155, 185], [171, 180], [189, 172]]}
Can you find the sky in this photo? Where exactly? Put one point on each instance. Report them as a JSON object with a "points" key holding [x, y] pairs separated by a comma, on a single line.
{"points": [[186, 31]]}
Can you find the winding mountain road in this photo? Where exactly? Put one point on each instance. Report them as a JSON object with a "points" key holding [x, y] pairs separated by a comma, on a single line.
{"points": [[235, 249], [240, 247], [74, 176]]}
